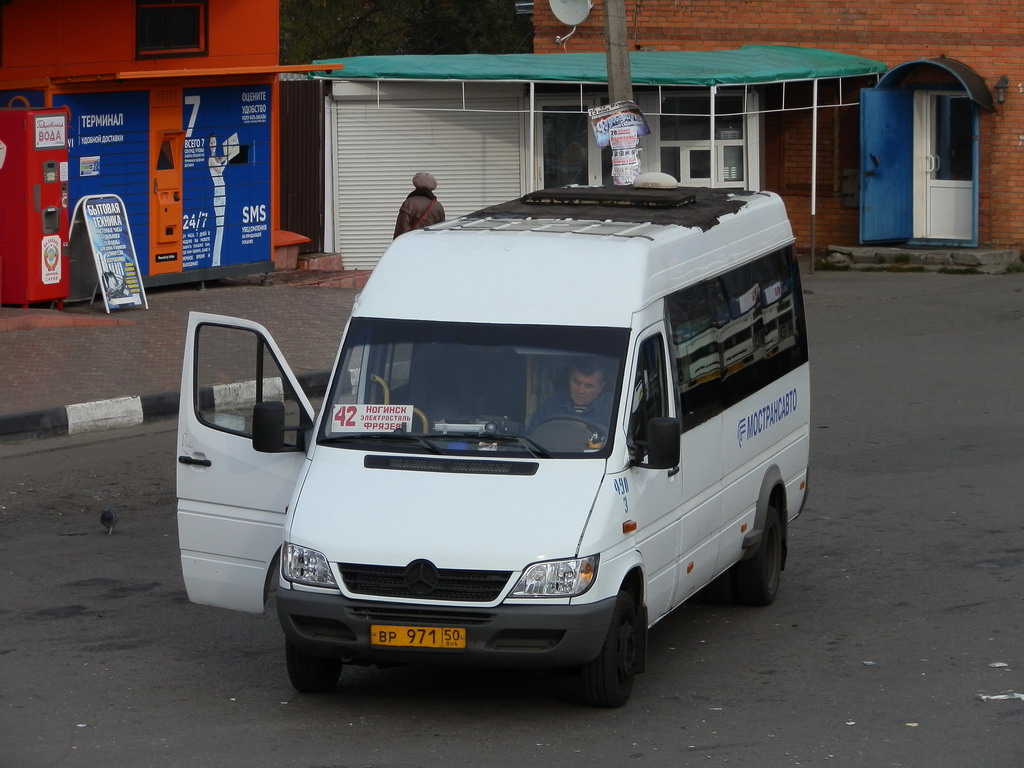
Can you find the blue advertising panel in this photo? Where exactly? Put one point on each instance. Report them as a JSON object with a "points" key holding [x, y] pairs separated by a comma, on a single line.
{"points": [[226, 216], [108, 151]]}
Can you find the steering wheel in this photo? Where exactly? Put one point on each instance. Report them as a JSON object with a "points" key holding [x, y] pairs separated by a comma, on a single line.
{"points": [[565, 433]]}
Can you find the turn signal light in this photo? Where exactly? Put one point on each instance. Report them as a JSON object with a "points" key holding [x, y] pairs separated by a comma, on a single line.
{"points": [[629, 526]]}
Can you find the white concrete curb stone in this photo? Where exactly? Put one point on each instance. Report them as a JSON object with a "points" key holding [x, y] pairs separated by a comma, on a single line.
{"points": [[104, 414]]}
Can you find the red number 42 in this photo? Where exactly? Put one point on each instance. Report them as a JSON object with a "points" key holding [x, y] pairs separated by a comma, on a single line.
{"points": [[346, 416]]}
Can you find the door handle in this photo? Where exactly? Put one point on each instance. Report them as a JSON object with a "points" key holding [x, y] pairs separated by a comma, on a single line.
{"points": [[195, 462]]}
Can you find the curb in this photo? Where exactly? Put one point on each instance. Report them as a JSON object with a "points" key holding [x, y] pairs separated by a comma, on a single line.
{"points": [[78, 418], [115, 413]]}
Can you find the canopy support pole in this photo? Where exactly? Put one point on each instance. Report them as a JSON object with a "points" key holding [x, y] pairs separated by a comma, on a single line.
{"points": [[814, 173], [531, 141]]}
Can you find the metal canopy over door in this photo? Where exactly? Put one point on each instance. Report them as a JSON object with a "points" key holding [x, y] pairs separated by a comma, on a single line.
{"points": [[887, 166]]}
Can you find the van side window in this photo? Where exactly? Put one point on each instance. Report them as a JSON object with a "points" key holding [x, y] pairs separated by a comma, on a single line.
{"points": [[735, 334], [697, 316], [650, 388]]}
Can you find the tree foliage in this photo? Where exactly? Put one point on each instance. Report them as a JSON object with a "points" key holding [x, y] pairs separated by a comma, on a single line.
{"points": [[328, 29]]}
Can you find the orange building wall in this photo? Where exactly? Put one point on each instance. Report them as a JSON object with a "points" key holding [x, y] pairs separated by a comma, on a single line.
{"points": [[71, 38], [70, 47], [986, 36]]}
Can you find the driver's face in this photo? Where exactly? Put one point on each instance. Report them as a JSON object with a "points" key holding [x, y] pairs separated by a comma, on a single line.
{"points": [[584, 389]]}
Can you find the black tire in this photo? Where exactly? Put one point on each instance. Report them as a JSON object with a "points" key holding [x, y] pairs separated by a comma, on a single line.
{"points": [[608, 679], [756, 581], [311, 674]]}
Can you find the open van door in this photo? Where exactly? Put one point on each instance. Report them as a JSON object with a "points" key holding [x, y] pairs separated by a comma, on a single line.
{"points": [[232, 499]]}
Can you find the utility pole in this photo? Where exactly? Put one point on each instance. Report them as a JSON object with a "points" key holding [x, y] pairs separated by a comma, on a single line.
{"points": [[620, 81]]}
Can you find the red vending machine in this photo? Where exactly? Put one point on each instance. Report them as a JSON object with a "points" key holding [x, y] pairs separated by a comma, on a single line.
{"points": [[33, 206]]}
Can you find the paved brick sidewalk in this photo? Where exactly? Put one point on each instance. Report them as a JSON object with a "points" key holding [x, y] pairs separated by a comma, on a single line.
{"points": [[50, 360]]}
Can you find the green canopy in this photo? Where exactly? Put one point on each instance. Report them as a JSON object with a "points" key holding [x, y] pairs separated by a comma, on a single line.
{"points": [[749, 64]]}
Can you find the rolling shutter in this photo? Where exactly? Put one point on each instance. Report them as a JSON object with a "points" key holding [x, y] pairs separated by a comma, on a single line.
{"points": [[476, 156]]}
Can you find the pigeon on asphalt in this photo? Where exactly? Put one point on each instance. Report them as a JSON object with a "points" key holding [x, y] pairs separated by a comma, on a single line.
{"points": [[108, 520]]}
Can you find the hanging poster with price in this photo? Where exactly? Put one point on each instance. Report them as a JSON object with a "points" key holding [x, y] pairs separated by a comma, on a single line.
{"points": [[113, 250], [622, 114], [347, 417]]}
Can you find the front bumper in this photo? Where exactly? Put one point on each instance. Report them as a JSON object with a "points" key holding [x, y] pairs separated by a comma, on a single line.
{"points": [[521, 636]]}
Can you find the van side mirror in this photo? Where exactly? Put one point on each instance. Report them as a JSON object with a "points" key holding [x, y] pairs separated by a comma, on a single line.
{"points": [[663, 434], [268, 427]]}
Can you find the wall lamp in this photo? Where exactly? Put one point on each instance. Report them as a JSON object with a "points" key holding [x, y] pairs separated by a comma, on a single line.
{"points": [[1001, 85]]}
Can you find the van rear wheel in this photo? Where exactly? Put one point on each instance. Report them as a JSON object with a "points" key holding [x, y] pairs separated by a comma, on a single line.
{"points": [[756, 581], [608, 679], [311, 674]]}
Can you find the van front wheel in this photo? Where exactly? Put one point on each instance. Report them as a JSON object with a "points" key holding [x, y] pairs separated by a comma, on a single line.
{"points": [[311, 674], [608, 679], [756, 581]]}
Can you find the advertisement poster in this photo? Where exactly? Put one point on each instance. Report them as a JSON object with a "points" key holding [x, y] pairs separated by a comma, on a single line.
{"points": [[51, 131], [621, 114], [110, 239], [226, 167], [620, 127]]}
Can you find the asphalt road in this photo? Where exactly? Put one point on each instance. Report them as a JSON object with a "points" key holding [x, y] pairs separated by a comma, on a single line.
{"points": [[904, 591]]}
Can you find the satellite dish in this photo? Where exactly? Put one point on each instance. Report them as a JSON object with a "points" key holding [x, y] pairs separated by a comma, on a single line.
{"points": [[571, 12]]}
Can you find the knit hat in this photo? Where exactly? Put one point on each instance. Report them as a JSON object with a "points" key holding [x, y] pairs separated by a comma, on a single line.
{"points": [[423, 180]]}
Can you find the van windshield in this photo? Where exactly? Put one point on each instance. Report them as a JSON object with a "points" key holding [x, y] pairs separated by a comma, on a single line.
{"points": [[455, 388]]}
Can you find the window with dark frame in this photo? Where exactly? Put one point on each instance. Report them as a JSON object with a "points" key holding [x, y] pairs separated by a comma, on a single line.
{"points": [[170, 28]]}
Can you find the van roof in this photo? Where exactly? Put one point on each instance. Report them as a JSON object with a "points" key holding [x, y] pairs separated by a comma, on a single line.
{"points": [[614, 210], [587, 256]]}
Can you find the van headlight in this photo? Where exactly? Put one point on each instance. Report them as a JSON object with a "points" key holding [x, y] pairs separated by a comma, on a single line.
{"points": [[557, 578], [306, 566]]}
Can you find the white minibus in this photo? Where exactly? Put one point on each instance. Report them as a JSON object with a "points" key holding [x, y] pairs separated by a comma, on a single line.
{"points": [[549, 424]]}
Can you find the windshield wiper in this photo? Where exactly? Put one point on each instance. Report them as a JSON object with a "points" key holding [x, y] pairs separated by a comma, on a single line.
{"points": [[396, 437]]}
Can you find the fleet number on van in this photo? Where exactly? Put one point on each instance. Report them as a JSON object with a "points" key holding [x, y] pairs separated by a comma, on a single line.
{"points": [[550, 423]]}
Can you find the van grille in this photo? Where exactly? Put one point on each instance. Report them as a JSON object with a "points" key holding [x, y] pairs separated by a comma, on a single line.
{"points": [[405, 615], [390, 581]]}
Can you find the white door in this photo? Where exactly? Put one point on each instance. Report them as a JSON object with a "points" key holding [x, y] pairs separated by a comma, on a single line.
{"points": [[944, 166], [232, 499]]}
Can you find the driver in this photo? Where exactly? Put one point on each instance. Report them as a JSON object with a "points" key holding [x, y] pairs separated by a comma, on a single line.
{"points": [[585, 398]]}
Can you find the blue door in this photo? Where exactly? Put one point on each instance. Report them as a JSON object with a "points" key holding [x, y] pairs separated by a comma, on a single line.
{"points": [[887, 164]]}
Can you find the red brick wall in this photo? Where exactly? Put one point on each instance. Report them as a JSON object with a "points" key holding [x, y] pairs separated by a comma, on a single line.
{"points": [[987, 36]]}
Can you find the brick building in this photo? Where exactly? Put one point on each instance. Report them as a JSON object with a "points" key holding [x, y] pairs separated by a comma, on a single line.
{"points": [[935, 158]]}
